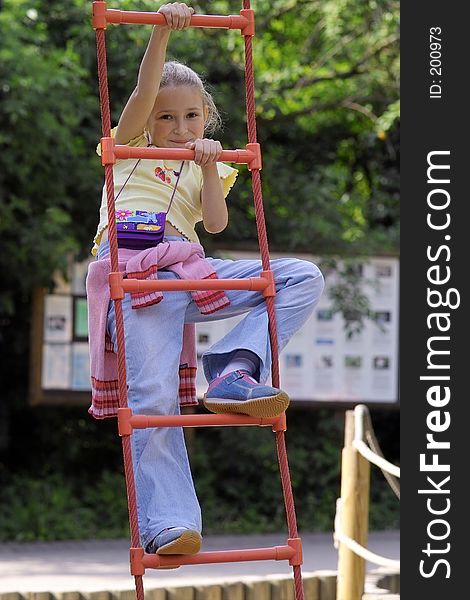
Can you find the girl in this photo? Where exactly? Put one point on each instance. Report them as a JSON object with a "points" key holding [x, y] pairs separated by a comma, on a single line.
{"points": [[170, 108]]}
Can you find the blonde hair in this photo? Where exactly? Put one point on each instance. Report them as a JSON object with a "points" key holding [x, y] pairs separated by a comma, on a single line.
{"points": [[177, 74]]}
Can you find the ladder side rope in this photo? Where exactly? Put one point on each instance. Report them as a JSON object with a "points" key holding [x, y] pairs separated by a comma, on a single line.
{"points": [[264, 250], [290, 507], [121, 357], [258, 196]]}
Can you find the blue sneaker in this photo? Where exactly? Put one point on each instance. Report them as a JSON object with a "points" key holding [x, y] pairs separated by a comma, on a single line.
{"points": [[176, 540], [237, 392]]}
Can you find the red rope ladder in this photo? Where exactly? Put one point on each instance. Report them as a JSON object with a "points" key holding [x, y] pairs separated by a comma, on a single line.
{"points": [[292, 552]]}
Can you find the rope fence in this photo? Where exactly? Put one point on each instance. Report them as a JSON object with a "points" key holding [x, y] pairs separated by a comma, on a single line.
{"points": [[361, 413], [357, 548], [352, 508]]}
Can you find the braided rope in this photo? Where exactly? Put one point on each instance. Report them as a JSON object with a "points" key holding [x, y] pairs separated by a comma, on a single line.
{"points": [[121, 356], [258, 198], [363, 429], [340, 537], [139, 587], [264, 251], [290, 507]]}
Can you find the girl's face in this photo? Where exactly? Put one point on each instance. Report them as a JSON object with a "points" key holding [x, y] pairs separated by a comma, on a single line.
{"points": [[178, 117]]}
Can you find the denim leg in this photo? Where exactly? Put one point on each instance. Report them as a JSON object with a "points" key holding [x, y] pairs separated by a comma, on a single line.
{"points": [[299, 285], [153, 337]]}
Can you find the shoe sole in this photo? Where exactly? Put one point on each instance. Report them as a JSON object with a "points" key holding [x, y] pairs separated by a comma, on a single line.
{"points": [[271, 406], [188, 542]]}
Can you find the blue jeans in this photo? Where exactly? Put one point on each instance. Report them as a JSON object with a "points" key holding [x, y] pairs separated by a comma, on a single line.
{"points": [[153, 337]]}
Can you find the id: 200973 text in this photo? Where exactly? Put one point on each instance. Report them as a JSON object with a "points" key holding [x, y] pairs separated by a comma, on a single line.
{"points": [[435, 62]]}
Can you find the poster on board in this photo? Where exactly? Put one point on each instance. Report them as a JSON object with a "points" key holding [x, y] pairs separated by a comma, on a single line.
{"points": [[321, 363]]}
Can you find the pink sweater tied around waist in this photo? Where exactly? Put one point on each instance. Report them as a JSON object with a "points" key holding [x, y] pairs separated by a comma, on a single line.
{"points": [[188, 261]]}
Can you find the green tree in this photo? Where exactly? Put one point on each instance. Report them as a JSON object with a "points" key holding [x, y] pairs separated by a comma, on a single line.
{"points": [[328, 116], [326, 78], [327, 107], [326, 82]]}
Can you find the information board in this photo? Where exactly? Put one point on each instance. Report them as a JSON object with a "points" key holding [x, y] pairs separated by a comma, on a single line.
{"points": [[321, 362]]}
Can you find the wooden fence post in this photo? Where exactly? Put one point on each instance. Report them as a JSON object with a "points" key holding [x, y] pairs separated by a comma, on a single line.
{"points": [[355, 485]]}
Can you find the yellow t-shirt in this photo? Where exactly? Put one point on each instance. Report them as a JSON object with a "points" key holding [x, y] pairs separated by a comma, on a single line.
{"points": [[150, 188]]}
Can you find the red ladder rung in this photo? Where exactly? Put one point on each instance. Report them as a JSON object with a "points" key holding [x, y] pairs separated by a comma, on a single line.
{"points": [[102, 15], [257, 284], [127, 422], [129, 17], [119, 285], [141, 561], [110, 151]]}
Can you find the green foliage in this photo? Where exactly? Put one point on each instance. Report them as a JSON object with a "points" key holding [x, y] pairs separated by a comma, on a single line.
{"points": [[46, 168], [54, 508], [327, 108], [326, 83], [327, 89], [70, 485]]}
